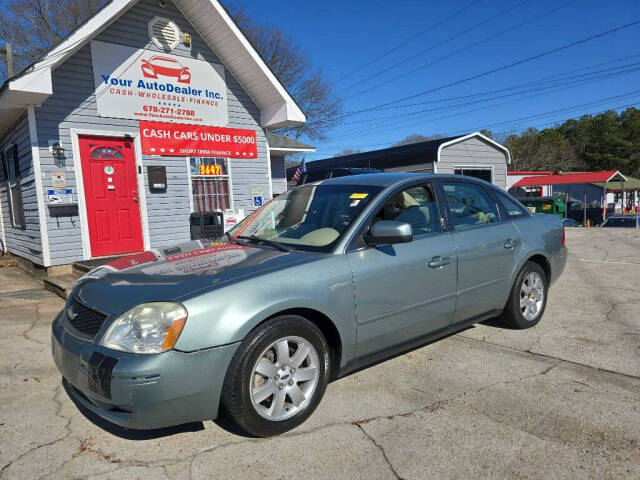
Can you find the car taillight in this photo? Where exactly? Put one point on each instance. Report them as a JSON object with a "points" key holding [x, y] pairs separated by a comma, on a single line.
{"points": [[564, 240]]}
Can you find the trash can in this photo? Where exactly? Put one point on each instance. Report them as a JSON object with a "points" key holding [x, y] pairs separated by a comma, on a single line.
{"points": [[209, 225], [551, 205]]}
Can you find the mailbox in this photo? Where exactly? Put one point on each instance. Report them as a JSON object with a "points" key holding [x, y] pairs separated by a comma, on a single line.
{"points": [[157, 178]]}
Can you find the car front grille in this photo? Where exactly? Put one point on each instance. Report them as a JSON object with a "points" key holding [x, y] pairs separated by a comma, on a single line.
{"points": [[84, 319]]}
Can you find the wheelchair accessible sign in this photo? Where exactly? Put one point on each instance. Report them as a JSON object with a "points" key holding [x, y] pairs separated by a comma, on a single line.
{"points": [[257, 195]]}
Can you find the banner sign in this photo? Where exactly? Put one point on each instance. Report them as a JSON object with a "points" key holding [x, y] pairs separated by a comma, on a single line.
{"points": [[145, 85], [181, 140]]}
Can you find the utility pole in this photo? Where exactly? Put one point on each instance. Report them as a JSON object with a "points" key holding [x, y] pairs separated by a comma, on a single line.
{"points": [[8, 51]]}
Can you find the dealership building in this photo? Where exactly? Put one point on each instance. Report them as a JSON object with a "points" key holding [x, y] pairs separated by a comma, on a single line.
{"points": [[149, 111]]}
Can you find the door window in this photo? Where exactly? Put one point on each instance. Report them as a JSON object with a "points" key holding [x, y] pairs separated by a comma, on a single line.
{"points": [[415, 206], [470, 205]]}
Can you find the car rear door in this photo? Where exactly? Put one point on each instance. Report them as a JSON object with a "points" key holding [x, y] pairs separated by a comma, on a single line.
{"points": [[405, 291], [486, 244]]}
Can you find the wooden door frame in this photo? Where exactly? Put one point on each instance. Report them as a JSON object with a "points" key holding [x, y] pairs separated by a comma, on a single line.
{"points": [[82, 206]]}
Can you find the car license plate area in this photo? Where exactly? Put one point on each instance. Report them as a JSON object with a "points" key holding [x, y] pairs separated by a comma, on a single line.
{"points": [[99, 369]]}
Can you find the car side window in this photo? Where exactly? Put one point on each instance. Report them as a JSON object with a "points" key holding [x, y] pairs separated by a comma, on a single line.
{"points": [[470, 205], [511, 207], [414, 205]]}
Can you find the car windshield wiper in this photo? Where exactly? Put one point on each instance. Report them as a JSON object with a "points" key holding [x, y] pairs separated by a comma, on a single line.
{"points": [[271, 243]]}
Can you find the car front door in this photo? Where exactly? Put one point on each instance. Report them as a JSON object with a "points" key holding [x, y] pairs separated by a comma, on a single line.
{"points": [[405, 291], [486, 249]]}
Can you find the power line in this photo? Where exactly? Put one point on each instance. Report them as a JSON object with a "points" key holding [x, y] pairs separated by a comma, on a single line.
{"points": [[553, 89], [556, 83], [530, 117], [533, 82], [439, 44], [402, 44], [463, 49], [497, 69]]}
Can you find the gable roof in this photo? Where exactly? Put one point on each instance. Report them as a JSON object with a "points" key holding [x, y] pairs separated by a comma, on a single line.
{"points": [[421, 152], [213, 23], [280, 144]]}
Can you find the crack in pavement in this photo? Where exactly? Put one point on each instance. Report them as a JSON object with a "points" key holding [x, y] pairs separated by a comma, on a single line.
{"points": [[381, 448]]}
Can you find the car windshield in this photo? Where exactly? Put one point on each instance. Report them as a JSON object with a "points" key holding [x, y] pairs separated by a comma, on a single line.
{"points": [[620, 222], [311, 218]]}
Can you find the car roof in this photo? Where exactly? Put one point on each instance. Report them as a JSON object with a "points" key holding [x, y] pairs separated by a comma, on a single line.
{"points": [[385, 179]]}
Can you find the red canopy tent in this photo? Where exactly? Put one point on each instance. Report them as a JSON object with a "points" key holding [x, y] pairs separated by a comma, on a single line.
{"points": [[583, 178]]}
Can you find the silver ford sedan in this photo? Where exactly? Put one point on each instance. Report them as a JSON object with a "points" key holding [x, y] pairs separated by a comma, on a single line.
{"points": [[324, 280]]}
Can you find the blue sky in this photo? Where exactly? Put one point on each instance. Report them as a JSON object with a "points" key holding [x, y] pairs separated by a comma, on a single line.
{"points": [[342, 36]]}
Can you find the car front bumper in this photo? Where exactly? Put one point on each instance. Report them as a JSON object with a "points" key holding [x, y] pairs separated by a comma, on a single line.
{"points": [[141, 391]]}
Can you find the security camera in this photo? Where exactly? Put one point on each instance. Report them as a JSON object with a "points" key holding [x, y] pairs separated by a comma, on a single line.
{"points": [[163, 3]]}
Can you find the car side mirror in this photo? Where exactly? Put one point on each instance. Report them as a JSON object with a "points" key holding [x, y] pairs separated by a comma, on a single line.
{"points": [[389, 232]]}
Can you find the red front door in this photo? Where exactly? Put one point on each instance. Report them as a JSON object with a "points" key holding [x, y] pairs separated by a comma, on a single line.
{"points": [[111, 195]]}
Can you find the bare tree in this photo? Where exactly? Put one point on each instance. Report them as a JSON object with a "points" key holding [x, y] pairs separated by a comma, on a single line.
{"points": [[308, 86], [416, 138], [347, 151], [34, 26]]}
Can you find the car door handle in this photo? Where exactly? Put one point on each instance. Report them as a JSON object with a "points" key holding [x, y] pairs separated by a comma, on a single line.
{"points": [[511, 244], [439, 262]]}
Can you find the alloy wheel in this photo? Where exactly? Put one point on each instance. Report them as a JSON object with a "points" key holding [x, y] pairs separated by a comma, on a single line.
{"points": [[531, 296], [284, 378]]}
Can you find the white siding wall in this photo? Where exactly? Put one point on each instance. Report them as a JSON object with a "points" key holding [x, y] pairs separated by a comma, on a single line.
{"points": [[25, 242], [474, 152], [73, 106]]}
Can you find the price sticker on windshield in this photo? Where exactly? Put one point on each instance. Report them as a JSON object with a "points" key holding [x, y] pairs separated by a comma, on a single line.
{"points": [[358, 196]]}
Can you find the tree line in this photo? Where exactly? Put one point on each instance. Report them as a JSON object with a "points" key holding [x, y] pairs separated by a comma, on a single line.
{"points": [[607, 141]]}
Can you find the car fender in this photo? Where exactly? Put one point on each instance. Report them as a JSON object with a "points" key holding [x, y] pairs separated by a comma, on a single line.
{"points": [[226, 315]]}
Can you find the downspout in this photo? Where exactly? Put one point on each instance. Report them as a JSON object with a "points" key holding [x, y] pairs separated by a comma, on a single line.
{"points": [[37, 173], [4, 239]]}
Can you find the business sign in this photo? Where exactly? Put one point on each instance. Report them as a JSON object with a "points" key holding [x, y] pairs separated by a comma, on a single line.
{"points": [[60, 196], [145, 85], [177, 139]]}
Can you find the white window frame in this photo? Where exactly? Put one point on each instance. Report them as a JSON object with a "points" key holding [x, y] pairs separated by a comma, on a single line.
{"points": [[196, 176], [82, 206]]}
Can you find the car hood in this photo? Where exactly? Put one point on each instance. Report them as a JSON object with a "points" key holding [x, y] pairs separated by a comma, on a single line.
{"points": [[172, 273]]}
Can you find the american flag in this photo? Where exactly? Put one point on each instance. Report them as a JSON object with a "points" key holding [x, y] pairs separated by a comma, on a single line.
{"points": [[299, 171]]}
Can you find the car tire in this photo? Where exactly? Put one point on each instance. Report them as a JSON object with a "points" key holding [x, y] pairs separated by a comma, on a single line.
{"points": [[528, 298], [276, 361]]}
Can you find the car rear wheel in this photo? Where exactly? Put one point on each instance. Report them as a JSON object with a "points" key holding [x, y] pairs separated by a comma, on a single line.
{"points": [[528, 298], [277, 377]]}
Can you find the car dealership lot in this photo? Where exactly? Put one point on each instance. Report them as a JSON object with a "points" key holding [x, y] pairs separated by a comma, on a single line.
{"points": [[560, 400]]}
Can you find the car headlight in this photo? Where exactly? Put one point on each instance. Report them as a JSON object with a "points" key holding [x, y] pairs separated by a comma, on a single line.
{"points": [[147, 328]]}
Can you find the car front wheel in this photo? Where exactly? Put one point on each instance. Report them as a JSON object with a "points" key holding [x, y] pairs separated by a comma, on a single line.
{"points": [[277, 377], [528, 298]]}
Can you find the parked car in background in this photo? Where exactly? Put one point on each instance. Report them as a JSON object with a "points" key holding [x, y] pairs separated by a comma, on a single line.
{"points": [[322, 281], [317, 174], [622, 221], [570, 222]]}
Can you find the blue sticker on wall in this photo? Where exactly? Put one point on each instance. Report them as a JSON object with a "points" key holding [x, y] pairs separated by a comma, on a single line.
{"points": [[257, 201]]}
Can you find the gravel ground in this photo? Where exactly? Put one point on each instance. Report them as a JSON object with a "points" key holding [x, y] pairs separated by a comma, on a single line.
{"points": [[561, 400]]}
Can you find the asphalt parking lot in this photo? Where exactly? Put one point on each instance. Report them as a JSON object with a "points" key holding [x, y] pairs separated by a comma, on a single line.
{"points": [[561, 400]]}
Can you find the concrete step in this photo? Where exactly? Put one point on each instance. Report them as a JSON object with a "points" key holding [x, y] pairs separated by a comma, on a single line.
{"points": [[80, 268], [61, 284]]}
